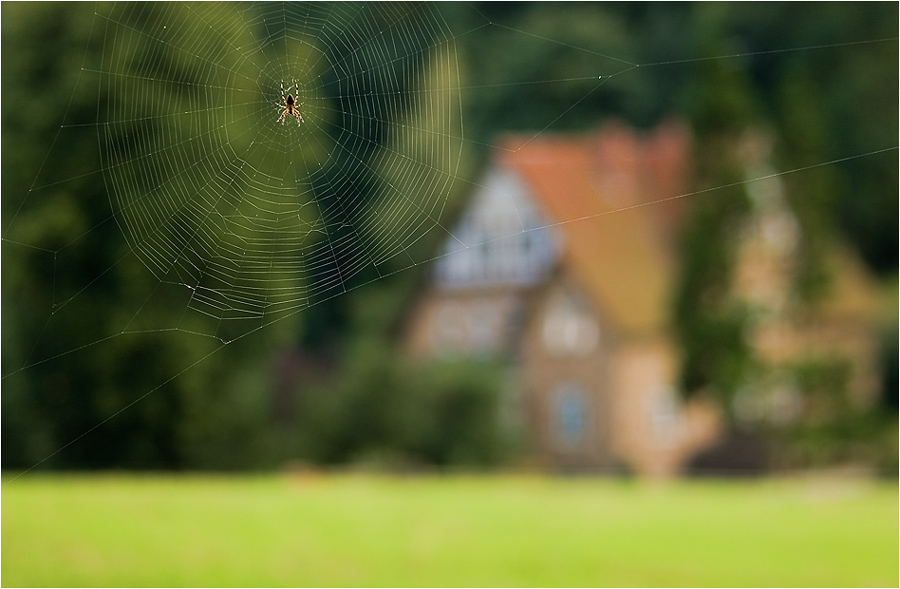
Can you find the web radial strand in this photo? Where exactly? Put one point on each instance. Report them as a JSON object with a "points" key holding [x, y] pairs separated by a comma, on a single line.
{"points": [[255, 216]]}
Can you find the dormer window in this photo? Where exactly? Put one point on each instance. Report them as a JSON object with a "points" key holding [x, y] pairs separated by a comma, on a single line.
{"points": [[569, 327]]}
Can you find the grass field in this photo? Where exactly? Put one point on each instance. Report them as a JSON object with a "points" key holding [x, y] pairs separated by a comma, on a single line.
{"points": [[330, 530]]}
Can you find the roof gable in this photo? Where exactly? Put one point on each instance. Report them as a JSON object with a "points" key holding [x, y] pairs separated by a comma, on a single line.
{"points": [[502, 239], [602, 206], [593, 191]]}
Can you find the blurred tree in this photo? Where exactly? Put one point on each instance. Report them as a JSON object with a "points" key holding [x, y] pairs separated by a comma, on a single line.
{"points": [[836, 100], [794, 95], [711, 326], [86, 328]]}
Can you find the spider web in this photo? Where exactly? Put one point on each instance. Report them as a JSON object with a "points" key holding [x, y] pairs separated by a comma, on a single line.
{"points": [[257, 219]]}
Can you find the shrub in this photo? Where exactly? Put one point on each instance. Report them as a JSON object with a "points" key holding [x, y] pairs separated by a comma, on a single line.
{"points": [[383, 408]]}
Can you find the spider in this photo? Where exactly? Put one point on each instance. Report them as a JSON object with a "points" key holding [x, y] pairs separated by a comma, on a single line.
{"points": [[288, 106]]}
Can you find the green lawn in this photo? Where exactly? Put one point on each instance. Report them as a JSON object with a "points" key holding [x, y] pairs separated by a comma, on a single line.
{"points": [[451, 531]]}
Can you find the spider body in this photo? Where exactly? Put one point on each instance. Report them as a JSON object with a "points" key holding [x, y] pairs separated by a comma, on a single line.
{"points": [[289, 106]]}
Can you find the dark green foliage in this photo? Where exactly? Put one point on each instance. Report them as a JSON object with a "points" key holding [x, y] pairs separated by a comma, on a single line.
{"points": [[864, 438], [379, 407], [709, 324], [832, 427], [889, 362], [824, 384], [94, 374]]}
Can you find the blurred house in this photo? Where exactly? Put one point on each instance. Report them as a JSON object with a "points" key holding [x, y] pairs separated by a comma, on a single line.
{"points": [[558, 267], [563, 264], [817, 359]]}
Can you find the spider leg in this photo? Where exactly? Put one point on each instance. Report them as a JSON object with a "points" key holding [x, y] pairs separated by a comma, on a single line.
{"points": [[289, 109]]}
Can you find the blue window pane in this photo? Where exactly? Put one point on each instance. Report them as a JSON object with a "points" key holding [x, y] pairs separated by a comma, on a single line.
{"points": [[570, 411]]}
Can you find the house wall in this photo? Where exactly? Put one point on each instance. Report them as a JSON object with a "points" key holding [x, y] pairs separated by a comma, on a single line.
{"points": [[785, 332], [655, 432], [787, 343], [565, 379], [633, 415], [467, 322]]}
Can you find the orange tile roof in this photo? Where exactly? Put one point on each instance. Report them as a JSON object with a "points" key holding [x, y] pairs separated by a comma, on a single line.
{"points": [[600, 192]]}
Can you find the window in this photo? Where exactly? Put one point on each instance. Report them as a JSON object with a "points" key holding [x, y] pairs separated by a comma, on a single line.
{"points": [[569, 327], [570, 413]]}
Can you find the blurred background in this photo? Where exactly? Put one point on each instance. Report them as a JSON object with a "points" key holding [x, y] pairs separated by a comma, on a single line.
{"points": [[648, 238]]}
